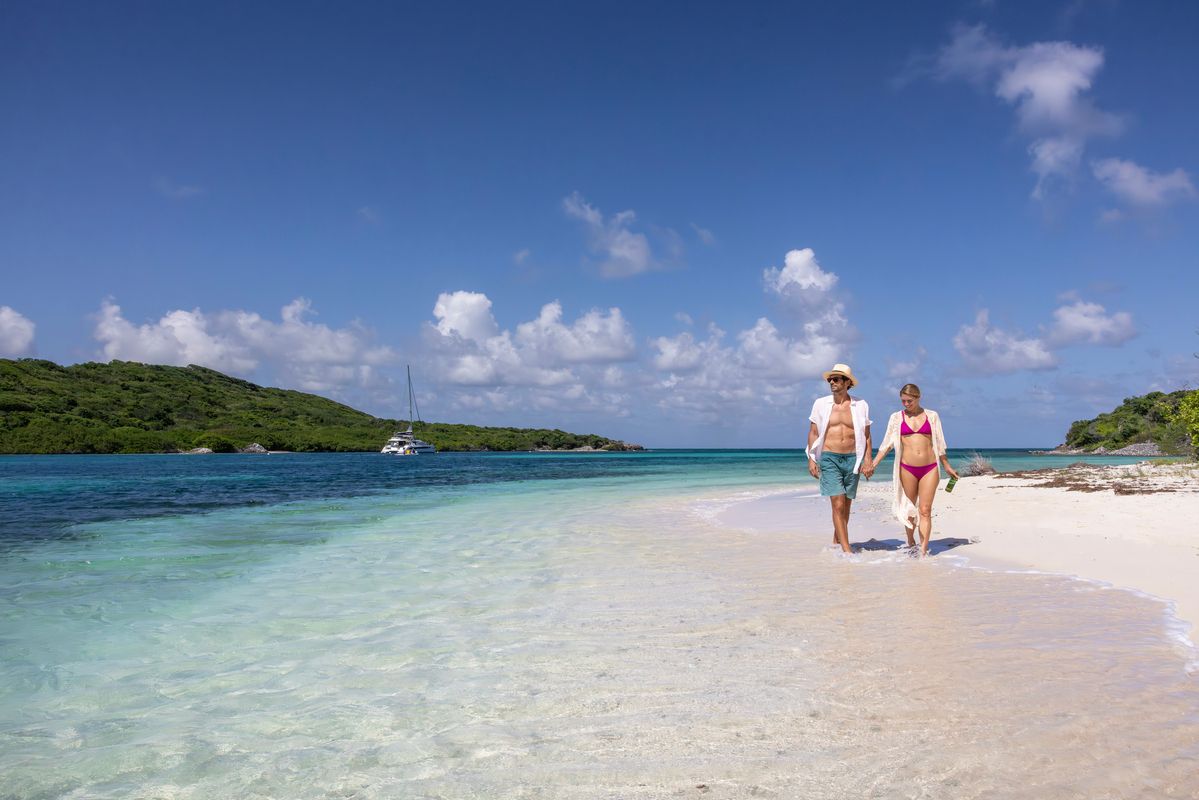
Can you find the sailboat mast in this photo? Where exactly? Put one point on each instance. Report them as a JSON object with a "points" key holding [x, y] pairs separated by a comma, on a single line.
{"points": [[410, 400], [413, 394]]}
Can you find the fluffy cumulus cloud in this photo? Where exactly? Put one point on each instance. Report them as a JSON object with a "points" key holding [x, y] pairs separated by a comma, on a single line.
{"points": [[1142, 187], [768, 365], [1081, 322], [623, 251], [986, 349], [595, 337], [800, 277], [16, 333], [1047, 85], [811, 296], [545, 362], [293, 350]]}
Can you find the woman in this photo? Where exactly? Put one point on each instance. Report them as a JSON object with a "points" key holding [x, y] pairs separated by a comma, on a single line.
{"points": [[915, 433]]}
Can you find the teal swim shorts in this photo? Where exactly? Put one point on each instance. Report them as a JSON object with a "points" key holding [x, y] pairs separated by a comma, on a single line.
{"points": [[837, 475]]}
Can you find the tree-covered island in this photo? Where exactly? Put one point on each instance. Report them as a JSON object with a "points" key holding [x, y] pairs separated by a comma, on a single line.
{"points": [[126, 407], [1149, 424]]}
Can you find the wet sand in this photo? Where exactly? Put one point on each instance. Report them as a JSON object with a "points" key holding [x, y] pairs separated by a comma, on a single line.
{"points": [[1134, 526]]}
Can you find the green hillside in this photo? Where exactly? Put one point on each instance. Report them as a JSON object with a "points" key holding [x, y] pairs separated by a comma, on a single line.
{"points": [[1154, 417], [126, 407]]}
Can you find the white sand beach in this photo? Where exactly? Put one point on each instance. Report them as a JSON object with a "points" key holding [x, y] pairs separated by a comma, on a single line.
{"points": [[1131, 526], [1134, 527]]}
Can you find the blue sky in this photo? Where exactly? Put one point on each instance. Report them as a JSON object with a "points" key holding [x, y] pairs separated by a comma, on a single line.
{"points": [[659, 222]]}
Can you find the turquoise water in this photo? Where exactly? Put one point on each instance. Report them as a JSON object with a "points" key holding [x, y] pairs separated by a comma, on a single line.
{"points": [[477, 625], [52, 496]]}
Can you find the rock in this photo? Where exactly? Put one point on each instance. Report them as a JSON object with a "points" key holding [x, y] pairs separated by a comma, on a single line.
{"points": [[255, 448], [198, 451], [1138, 449]]}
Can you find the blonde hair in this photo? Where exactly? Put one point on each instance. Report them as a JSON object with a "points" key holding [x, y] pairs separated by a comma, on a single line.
{"points": [[911, 389]]}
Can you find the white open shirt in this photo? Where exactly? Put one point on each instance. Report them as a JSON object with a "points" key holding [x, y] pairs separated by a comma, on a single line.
{"points": [[822, 409]]}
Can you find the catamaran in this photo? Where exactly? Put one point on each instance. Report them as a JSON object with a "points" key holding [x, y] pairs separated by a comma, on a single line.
{"points": [[405, 443]]}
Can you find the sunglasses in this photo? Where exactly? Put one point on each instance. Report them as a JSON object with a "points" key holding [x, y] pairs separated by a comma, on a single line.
{"points": [[836, 378]]}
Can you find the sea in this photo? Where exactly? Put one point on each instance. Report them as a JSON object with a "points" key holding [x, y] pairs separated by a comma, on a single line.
{"points": [[548, 625]]}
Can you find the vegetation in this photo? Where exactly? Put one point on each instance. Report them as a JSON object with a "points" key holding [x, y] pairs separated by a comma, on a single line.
{"points": [[125, 407], [977, 465], [1188, 416], [1156, 417]]}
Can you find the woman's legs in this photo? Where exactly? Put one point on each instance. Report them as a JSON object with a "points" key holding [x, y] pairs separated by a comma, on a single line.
{"points": [[920, 492], [928, 488], [911, 488]]}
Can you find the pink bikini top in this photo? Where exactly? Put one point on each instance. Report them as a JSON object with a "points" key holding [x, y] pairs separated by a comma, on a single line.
{"points": [[904, 430]]}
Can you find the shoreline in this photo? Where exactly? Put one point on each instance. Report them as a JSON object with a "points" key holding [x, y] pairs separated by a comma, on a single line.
{"points": [[1133, 527]]}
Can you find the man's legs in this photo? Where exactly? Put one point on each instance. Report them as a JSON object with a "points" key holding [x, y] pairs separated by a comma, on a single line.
{"points": [[839, 484], [841, 504]]}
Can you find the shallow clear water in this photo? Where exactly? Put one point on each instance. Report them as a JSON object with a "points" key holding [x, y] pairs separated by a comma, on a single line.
{"points": [[542, 626]]}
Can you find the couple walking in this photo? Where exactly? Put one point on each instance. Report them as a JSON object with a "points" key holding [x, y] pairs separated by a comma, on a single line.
{"points": [[839, 450]]}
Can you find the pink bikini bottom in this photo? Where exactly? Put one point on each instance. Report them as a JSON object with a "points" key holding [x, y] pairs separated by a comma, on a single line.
{"points": [[919, 472]]}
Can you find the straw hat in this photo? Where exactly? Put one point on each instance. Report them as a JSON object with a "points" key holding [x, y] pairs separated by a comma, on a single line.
{"points": [[842, 369]]}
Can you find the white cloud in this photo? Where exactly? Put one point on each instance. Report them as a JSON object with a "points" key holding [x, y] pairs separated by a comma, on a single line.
{"points": [[624, 251], [728, 384], [764, 368], [765, 350], [705, 236], [368, 215], [521, 256], [810, 294], [908, 370], [1046, 82], [594, 337], [989, 350], [179, 337], [1053, 157], [465, 314], [1082, 322], [544, 363], [294, 350], [800, 273], [1139, 186], [16, 333], [682, 353]]}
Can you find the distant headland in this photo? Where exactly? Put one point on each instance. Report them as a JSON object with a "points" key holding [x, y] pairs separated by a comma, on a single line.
{"points": [[1155, 424], [127, 407]]}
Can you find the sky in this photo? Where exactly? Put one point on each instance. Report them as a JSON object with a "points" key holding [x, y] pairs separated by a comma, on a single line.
{"points": [[660, 222]]}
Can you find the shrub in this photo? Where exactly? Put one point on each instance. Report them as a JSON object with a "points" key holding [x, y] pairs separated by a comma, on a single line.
{"points": [[977, 465], [217, 444], [1188, 416]]}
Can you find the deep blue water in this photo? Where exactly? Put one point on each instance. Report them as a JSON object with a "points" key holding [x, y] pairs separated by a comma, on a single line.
{"points": [[48, 496]]}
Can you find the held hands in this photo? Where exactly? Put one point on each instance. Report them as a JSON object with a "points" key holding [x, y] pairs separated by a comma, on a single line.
{"points": [[867, 468]]}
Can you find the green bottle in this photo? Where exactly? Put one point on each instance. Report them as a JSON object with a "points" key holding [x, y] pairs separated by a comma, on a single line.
{"points": [[949, 486]]}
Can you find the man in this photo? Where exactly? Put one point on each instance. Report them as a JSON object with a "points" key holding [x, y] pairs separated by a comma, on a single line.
{"points": [[839, 447]]}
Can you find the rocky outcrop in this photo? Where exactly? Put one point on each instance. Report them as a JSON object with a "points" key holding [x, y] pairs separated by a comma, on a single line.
{"points": [[198, 451], [255, 448], [1136, 449]]}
